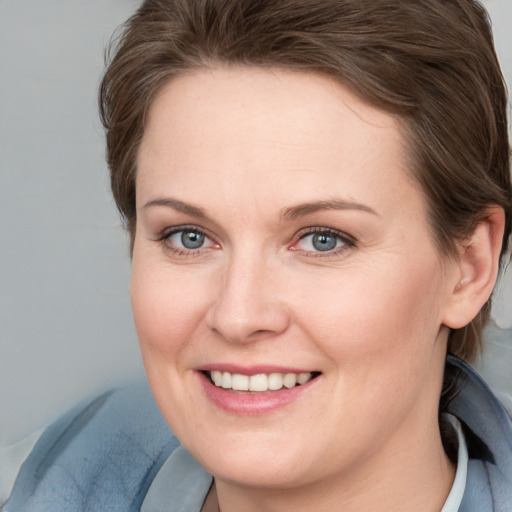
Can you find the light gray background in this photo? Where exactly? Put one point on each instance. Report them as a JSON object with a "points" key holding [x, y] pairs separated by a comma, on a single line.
{"points": [[66, 328]]}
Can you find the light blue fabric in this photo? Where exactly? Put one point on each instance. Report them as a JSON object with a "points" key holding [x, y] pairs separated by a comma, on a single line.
{"points": [[106, 455], [180, 486], [488, 432], [101, 456]]}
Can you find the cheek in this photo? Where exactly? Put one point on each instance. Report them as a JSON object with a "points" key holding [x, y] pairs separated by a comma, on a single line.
{"points": [[385, 312], [380, 334], [167, 307]]}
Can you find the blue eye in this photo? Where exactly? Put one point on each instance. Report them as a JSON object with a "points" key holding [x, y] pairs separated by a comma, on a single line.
{"points": [[187, 239], [191, 239], [322, 241]]}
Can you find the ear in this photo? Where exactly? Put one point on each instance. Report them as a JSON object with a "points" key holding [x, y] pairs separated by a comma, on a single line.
{"points": [[477, 271]]}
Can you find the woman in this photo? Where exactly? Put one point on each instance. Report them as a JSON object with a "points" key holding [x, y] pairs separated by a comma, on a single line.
{"points": [[318, 197]]}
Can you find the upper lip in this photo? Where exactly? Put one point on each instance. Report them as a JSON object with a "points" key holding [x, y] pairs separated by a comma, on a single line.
{"points": [[252, 369]]}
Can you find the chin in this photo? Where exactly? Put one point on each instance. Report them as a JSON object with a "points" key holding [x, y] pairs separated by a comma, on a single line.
{"points": [[257, 461], [263, 472]]}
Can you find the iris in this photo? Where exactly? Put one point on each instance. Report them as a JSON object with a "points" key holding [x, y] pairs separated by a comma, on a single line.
{"points": [[324, 242], [192, 239]]}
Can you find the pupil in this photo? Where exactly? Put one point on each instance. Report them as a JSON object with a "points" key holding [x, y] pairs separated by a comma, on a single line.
{"points": [[323, 242], [192, 239]]}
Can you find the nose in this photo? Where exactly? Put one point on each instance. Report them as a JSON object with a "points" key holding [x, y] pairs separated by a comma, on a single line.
{"points": [[248, 304]]}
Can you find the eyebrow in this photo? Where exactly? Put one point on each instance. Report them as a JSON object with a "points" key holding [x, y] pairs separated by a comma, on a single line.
{"points": [[304, 209], [180, 206], [290, 213]]}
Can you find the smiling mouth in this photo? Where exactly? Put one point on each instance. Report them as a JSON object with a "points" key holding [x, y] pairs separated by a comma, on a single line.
{"points": [[260, 382]]}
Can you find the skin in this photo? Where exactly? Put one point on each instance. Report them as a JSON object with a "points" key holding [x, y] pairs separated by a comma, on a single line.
{"points": [[244, 147]]}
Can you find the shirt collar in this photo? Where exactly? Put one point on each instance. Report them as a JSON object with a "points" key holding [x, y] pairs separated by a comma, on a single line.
{"points": [[181, 485], [454, 499]]}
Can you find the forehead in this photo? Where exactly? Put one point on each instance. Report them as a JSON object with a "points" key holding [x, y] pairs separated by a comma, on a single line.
{"points": [[258, 97], [302, 132]]}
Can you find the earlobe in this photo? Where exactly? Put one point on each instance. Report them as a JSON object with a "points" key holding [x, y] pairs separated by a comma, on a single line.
{"points": [[478, 267]]}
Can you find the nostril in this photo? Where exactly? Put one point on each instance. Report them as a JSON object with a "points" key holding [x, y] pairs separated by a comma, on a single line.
{"points": [[260, 323], [247, 308]]}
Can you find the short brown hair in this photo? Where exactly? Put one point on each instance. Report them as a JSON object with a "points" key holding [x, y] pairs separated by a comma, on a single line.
{"points": [[431, 62]]}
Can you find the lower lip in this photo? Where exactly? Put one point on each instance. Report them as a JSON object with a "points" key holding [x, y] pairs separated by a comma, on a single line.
{"points": [[255, 403]]}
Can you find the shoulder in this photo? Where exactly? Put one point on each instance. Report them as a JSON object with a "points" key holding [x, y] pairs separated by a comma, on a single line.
{"points": [[488, 432], [102, 455]]}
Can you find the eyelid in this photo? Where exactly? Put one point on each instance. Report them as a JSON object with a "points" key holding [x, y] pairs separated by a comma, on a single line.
{"points": [[322, 229], [172, 230], [164, 238], [347, 240]]}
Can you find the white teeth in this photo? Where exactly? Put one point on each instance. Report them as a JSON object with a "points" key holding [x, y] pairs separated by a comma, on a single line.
{"points": [[226, 380], [260, 382], [240, 382], [302, 378], [275, 381], [289, 380], [217, 378]]}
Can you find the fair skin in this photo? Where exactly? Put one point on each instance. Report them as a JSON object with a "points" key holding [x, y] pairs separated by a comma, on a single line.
{"points": [[278, 231]]}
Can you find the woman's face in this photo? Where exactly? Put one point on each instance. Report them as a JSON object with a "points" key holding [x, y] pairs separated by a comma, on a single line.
{"points": [[280, 240]]}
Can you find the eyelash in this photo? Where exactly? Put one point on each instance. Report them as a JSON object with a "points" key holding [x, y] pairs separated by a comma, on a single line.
{"points": [[165, 236], [347, 241]]}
